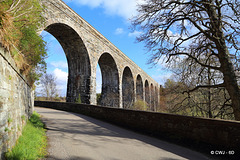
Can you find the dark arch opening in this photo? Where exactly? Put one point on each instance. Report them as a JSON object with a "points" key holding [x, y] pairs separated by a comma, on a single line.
{"points": [[127, 88], [156, 98], [79, 69], [152, 98], [110, 81], [147, 94], [139, 88]]}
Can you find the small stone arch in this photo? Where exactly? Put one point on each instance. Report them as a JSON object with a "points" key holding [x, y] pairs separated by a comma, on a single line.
{"points": [[156, 98], [110, 81], [139, 88], [152, 97], [79, 68], [147, 93], [127, 88]]}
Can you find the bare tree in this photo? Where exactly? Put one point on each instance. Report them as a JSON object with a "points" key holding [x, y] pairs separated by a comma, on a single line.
{"points": [[49, 86], [204, 32]]}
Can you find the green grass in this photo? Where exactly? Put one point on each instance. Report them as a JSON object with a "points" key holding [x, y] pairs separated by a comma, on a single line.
{"points": [[33, 142]]}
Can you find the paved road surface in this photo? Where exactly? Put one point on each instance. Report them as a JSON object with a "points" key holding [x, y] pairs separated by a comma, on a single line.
{"points": [[78, 137]]}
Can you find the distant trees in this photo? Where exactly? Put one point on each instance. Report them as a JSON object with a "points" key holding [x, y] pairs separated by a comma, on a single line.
{"points": [[49, 86], [204, 35], [208, 103]]}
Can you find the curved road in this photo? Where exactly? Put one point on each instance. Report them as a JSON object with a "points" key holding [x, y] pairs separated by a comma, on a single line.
{"points": [[78, 137]]}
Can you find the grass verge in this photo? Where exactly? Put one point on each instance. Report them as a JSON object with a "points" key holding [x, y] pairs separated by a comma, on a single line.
{"points": [[33, 142]]}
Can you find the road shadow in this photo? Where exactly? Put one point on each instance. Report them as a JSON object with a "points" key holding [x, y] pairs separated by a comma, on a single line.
{"points": [[102, 129]]}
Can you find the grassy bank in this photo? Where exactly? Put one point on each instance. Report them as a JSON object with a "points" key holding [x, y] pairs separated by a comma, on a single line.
{"points": [[33, 142]]}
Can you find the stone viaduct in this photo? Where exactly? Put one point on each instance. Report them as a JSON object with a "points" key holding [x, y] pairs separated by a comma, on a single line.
{"points": [[123, 82]]}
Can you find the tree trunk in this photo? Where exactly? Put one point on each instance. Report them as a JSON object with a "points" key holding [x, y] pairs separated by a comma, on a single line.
{"points": [[230, 81], [232, 87], [227, 68]]}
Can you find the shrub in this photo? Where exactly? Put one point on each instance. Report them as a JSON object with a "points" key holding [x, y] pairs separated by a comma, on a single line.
{"points": [[19, 21], [140, 105], [78, 100]]}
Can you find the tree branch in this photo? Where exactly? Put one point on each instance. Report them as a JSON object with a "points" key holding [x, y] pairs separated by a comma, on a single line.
{"points": [[194, 58], [205, 86]]}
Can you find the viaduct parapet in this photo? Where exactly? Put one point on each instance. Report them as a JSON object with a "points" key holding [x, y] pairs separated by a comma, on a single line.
{"points": [[123, 82]]}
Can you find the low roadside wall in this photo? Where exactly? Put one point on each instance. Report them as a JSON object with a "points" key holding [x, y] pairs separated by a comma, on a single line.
{"points": [[204, 134]]}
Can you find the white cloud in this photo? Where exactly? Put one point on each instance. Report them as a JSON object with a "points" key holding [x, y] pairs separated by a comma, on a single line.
{"points": [[61, 76], [123, 8], [61, 80], [59, 64], [119, 31], [135, 34]]}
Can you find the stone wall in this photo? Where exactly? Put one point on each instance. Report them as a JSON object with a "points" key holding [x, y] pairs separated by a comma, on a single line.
{"points": [[16, 102], [202, 134]]}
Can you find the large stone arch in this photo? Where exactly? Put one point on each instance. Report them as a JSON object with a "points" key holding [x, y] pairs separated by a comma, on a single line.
{"points": [[127, 88], [139, 88], [147, 93], [110, 81], [79, 68]]}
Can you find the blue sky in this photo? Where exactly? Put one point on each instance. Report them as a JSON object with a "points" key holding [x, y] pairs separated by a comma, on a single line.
{"points": [[111, 19]]}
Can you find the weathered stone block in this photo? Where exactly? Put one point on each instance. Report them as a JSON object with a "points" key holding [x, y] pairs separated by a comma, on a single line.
{"points": [[3, 119]]}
